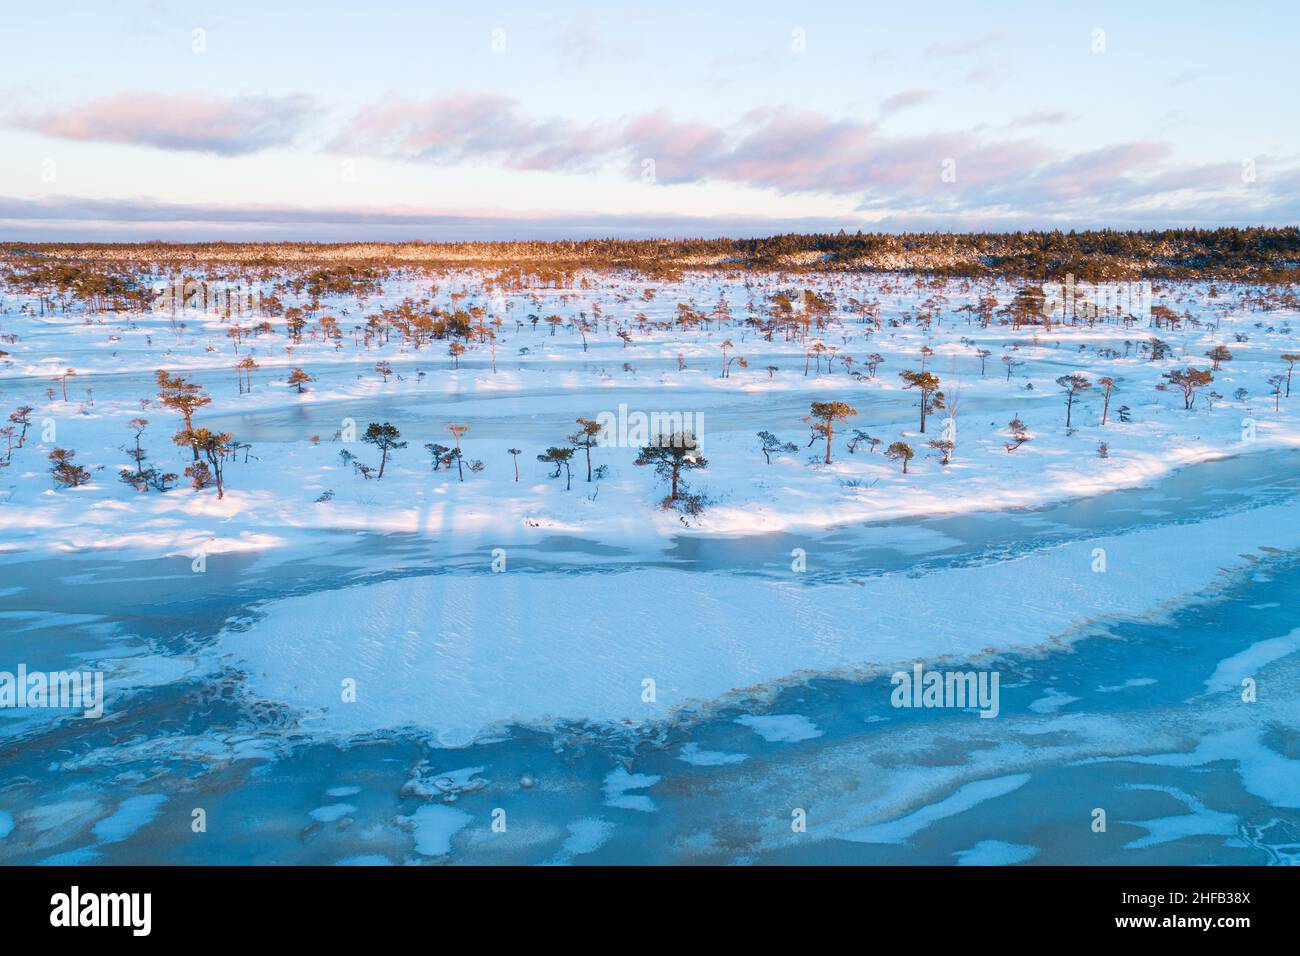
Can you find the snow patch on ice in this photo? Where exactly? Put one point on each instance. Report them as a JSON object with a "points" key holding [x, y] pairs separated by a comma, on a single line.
{"points": [[1249, 662], [781, 728], [1051, 702], [619, 782], [131, 814], [585, 836], [434, 826], [995, 853], [692, 754], [967, 796], [332, 812]]}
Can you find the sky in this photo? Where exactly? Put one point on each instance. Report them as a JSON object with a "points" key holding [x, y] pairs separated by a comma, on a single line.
{"points": [[383, 120]]}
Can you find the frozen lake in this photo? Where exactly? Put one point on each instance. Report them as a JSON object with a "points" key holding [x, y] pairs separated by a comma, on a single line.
{"points": [[1140, 718]]}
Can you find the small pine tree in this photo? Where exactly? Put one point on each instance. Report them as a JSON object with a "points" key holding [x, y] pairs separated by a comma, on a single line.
{"points": [[299, 378], [199, 474], [66, 472], [438, 453], [586, 437], [1108, 386], [1290, 358], [824, 415], [385, 437], [944, 448], [1218, 355], [22, 416], [1072, 384], [773, 445], [1189, 381], [671, 455], [184, 397], [559, 457], [927, 383], [900, 451], [1019, 433]]}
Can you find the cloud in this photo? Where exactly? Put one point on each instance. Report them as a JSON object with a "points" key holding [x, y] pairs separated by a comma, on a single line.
{"points": [[786, 151], [982, 177], [466, 127], [581, 45], [804, 151], [191, 122], [904, 99], [964, 46], [69, 218], [679, 149], [985, 76], [1041, 118]]}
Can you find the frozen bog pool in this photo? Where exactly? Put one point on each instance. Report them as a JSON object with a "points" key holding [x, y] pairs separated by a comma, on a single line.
{"points": [[457, 718], [457, 655]]}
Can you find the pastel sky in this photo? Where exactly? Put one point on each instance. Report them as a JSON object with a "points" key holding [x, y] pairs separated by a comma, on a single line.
{"points": [[429, 120]]}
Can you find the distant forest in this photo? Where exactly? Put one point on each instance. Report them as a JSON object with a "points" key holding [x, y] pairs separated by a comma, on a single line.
{"points": [[1250, 254]]}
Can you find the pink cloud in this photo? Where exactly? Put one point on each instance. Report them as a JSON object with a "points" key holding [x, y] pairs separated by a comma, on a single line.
{"points": [[789, 152], [902, 100], [465, 127], [181, 121]]}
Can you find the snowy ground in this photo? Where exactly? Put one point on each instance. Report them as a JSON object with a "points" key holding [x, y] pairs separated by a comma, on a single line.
{"points": [[532, 400], [270, 600]]}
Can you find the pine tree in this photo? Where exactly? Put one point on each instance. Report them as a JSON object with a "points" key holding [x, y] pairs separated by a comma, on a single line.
{"points": [[299, 378], [559, 457], [670, 456], [1108, 385], [1188, 380], [215, 447], [900, 451], [67, 473], [928, 385], [22, 416], [1218, 355], [1073, 384], [773, 445], [824, 415], [1290, 358], [184, 397], [586, 437], [385, 438]]}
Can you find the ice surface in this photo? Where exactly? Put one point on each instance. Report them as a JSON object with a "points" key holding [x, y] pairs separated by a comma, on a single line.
{"points": [[461, 654], [130, 815], [966, 797]]}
